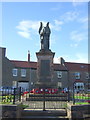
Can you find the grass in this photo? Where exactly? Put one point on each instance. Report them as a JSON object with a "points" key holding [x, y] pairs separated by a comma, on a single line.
{"points": [[24, 106], [7, 99], [6, 103], [82, 97], [81, 103]]}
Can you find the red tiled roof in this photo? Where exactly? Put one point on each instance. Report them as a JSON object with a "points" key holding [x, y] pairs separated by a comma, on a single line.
{"points": [[77, 66], [59, 67], [68, 65], [26, 64]]}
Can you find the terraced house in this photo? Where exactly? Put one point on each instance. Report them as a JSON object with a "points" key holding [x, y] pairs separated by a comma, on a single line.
{"points": [[16, 73]]}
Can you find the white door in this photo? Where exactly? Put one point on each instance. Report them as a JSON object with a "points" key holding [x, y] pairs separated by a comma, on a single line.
{"points": [[24, 85]]}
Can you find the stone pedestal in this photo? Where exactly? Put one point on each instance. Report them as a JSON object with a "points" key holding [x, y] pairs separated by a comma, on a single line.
{"points": [[45, 70]]}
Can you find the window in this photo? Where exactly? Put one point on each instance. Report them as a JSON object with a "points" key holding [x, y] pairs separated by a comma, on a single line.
{"points": [[59, 74], [77, 75], [79, 86], [87, 76], [59, 84], [14, 83], [23, 72], [14, 72]]}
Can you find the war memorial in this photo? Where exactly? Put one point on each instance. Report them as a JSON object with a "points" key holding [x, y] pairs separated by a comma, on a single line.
{"points": [[45, 59], [60, 106]]}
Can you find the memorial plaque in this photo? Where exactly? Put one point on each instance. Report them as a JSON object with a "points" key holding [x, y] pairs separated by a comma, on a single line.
{"points": [[45, 68]]}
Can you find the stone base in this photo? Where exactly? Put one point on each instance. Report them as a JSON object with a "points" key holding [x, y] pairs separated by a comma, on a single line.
{"points": [[78, 112], [10, 111], [45, 70]]}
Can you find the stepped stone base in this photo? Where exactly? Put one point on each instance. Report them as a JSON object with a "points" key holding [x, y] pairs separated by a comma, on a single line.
{"points": [[48, 114]]}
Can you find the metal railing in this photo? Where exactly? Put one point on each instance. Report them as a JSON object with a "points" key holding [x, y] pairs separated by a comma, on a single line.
{"points": [[10, 95]]}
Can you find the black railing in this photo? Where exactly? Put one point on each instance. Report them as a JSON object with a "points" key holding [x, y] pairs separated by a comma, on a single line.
{"points": [[79, 96], [10, 95]]}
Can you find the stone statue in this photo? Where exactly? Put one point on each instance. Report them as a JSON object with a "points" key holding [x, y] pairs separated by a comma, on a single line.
{"points": [[44, 36]]}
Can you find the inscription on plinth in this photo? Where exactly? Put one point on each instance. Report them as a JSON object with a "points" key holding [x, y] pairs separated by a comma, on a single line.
{"points": [[45, 70]]}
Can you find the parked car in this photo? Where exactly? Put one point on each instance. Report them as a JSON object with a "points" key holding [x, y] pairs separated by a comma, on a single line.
{"points": [[6, 90]]}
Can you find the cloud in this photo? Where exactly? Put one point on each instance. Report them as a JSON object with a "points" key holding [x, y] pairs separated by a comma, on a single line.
{"points": [[77, 36], [24, 34], [81, 58], [70, 16], [27, 28], [28, 24], [58, 22], [57, 25], [74, 45], [84, 22], [78, 58], [76, 3], [56, 8], [56, 60]]}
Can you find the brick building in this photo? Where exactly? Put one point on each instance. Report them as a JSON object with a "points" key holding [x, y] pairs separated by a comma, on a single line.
{"points": [[24, 73]]}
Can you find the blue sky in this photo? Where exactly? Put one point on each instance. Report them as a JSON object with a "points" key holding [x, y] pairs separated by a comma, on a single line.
{"points": [[68, 23]]}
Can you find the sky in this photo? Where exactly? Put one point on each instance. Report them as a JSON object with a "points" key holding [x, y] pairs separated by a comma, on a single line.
{"points": [[68, 24]]}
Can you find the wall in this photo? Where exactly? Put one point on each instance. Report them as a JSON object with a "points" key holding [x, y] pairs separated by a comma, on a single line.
{"points": [[6, 69], [63, 80], [76, 112], [0, 66], [11, 111], [72, 78]]}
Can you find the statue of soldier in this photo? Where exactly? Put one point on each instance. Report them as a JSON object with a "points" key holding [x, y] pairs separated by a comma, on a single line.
{"points": [[44, 36]]}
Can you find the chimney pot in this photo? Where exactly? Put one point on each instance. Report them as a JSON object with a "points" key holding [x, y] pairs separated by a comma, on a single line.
{"points": [[28, 56]]}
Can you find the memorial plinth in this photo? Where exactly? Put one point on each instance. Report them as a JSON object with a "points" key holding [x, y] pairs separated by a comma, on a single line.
{"points": [[45, 70]]}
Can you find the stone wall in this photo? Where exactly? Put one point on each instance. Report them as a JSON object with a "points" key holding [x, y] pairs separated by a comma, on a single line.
{"points": [[10, 111], [77, 111]]}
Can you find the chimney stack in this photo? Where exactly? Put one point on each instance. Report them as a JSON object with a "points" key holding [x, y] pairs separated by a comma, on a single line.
{"points": [[28, 56], [62, 61]]}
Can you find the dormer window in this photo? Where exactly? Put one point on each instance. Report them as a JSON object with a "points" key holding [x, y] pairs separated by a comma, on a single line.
{"points": [[59, 74], [77, 75]]}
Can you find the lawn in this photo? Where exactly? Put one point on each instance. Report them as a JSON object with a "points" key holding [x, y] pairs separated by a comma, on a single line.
{"points": [[82, 96], [81, 103], [6, 99]]}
